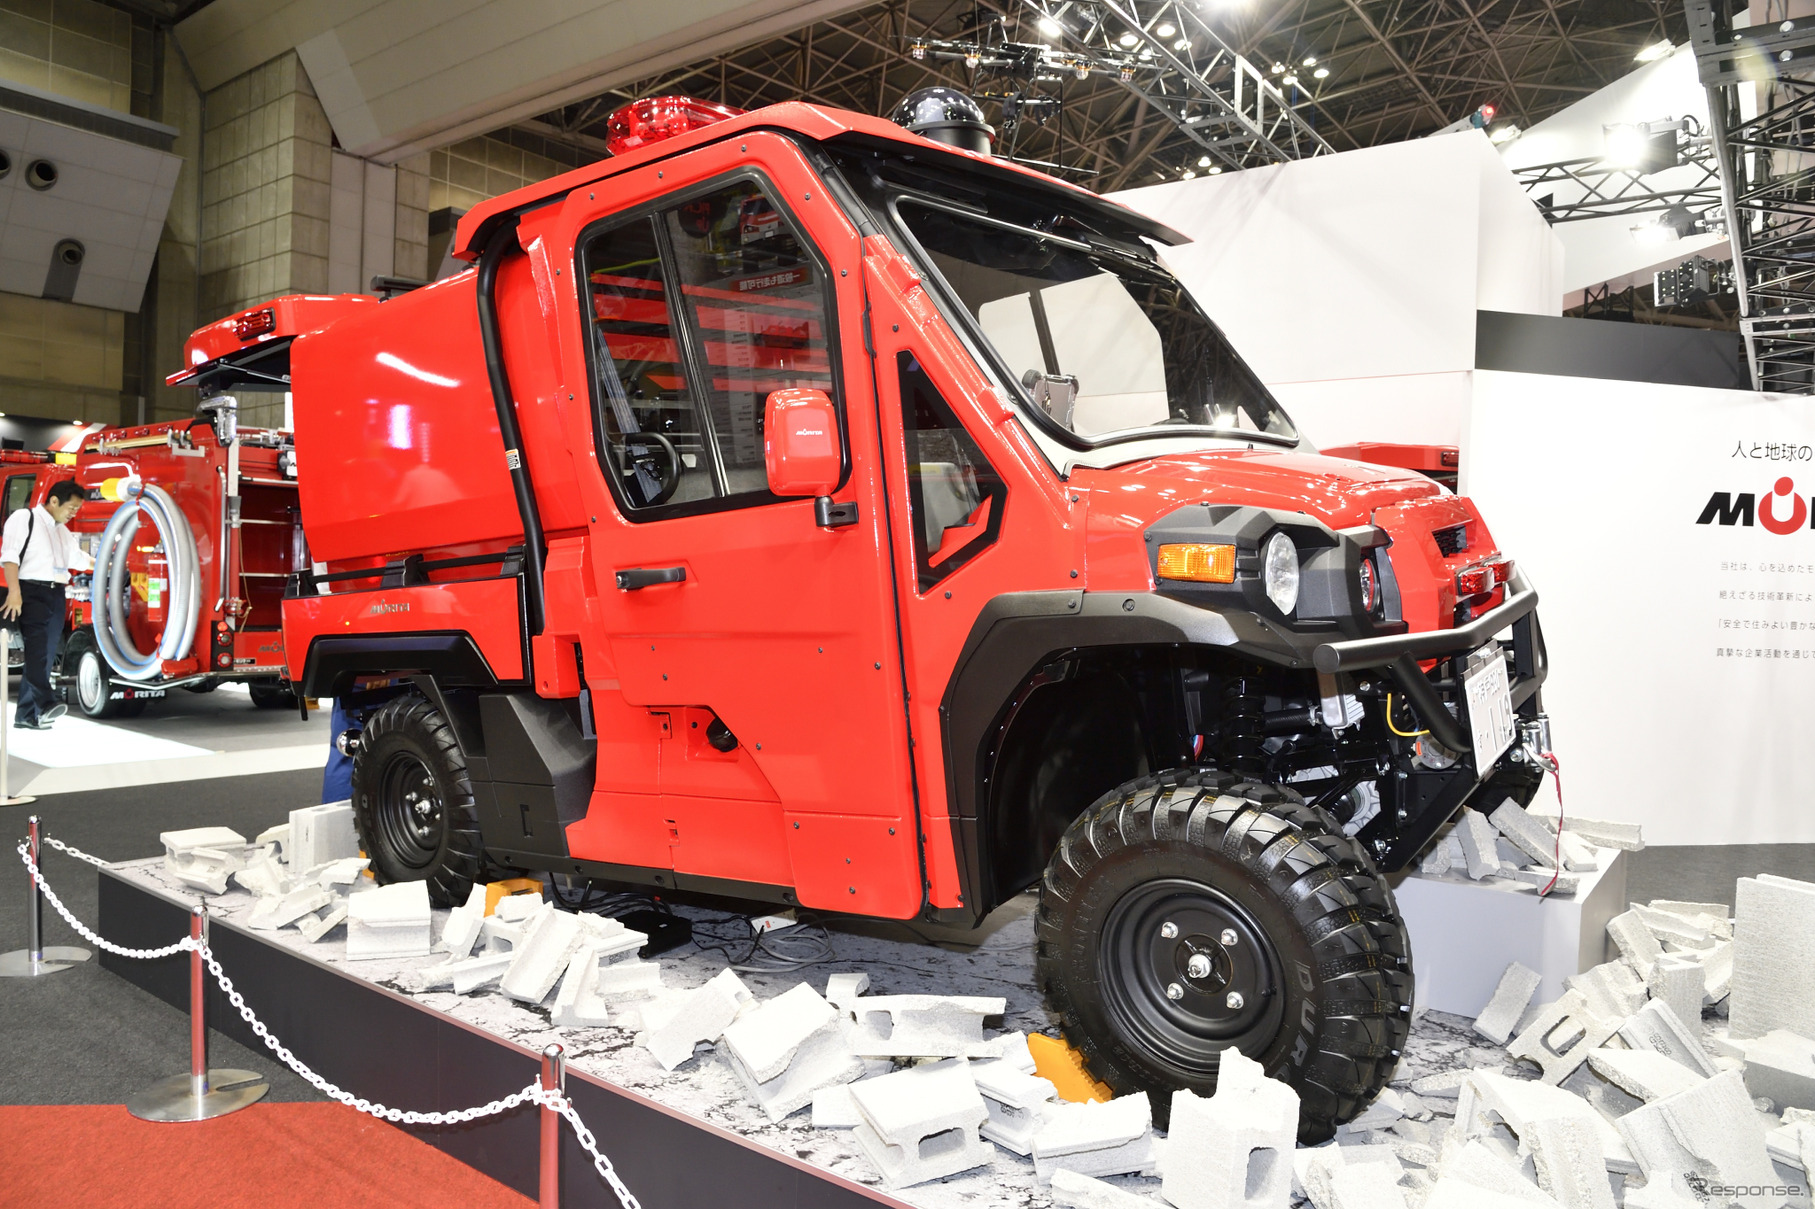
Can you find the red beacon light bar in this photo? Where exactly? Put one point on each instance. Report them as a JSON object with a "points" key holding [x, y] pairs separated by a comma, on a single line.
{"points": [[653, 119]]}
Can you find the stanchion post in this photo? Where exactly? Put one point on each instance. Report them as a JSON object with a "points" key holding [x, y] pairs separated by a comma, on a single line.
{"points": [[36, 960], [202, 1093], [6, 676], [554, 1078]]}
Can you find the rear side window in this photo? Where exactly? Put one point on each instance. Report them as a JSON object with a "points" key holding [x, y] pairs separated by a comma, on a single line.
{"points": [[955, 494], [699, 311], [18, 492]]}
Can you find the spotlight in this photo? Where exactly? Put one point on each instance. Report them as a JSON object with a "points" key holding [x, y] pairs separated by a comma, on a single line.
{"points": [[1204, 162], [1165, 29], [971, 59], [1641, 147], [917, 50], [1506, 133], [1187, 174], [1051, 28], [1126, 73], [1081, 70], [1182, 44], [1654, 52], [1322, 73], [1278, 67], [1128, 40], [1290, 80], [1310, 61], [1217, 171], [1673, 224]]}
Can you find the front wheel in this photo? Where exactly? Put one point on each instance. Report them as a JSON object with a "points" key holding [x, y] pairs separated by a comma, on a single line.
{"points": [[413, 803], [1192, 912]]}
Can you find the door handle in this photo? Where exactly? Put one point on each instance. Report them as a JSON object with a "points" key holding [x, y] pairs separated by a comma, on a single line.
{"points": [[642, 577]]}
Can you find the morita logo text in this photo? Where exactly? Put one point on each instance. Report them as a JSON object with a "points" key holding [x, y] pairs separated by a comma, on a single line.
{"points": [[1781, 511]]}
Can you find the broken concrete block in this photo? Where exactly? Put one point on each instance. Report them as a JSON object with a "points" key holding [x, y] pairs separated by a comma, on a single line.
{"points": [[1365, 1186], [278, 836], [202, 868], [1717, 971], [1643, 1073], [1491, 1098], [1636, 943], [1096, 1138], [1603, 1094], [1579, 856], [1709, 1134], [1517, 985], [1476, 1164], [1477, 836], [466, 975], [319, 834], [542, 957], [921, 1123], [1602, 833], [1444, 1085], [264, 876], [923, 1026], [1780, 1066], [842, 989], [577, 1003], [1612, 989], [1384, 1111], [314, 927], [1773, 957], [766, 1039], [388, 921], [1436, 862], [1012, 1049], [1559, 1039], [1548, 880], [270, 914], [1451, 1193], [833, 1108], [220, 838], [1678, 982], [822, 1059], [1670, 928], [500, 936], [1567, 1151], [518, 908], [1016, 1100], [1656, 1028], [463, 925], [1531, 837], [622, 981], [701, 1015], [1081, 1191], [343, 872], [1236, 1147]]}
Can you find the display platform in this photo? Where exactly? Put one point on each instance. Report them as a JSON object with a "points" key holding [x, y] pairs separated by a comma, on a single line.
{"points": [[682, 1139]]}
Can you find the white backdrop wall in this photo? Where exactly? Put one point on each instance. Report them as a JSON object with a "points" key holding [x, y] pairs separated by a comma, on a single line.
{"points": [[1350, 282], [1682, 655]]}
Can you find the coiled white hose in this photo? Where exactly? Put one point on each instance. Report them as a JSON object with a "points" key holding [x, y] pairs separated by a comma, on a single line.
{"points": [[113, 583]]}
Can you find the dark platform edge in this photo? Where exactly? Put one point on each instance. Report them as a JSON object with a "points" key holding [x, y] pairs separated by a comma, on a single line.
{"points": [[385, 1047]]}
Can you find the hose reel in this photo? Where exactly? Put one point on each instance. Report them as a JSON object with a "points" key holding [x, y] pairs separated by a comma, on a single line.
{"points": [[112, 582]]}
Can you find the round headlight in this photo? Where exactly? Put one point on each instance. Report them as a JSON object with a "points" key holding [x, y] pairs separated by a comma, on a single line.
{"points": [[1281, 574], [1369, 588]]}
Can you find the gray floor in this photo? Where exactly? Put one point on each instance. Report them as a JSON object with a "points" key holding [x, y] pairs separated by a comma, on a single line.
{"points": [[88, 1037]]}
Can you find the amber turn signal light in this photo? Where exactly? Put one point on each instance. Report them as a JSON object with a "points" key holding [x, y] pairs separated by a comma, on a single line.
{"points": [[1199, 562]]}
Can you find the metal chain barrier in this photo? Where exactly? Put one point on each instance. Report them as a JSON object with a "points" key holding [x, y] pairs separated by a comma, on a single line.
{"points": [[83, 930], [72, 850], [551, 1098]]}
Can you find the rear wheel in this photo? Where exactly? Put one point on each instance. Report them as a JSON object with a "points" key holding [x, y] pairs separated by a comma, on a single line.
{"points": [[89, 685], [271, 694], [413, 802], [1191, 912]]}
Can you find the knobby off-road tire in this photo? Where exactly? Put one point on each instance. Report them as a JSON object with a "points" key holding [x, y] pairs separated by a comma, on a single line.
{"points": [[1176, 891], [413, 802]]}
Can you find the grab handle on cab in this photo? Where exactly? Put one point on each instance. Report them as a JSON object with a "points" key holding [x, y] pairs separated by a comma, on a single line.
{"points": [[642, 577]]}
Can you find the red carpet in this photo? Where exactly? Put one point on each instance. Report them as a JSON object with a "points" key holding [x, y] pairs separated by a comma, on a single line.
{"points": [[272, 1156]]}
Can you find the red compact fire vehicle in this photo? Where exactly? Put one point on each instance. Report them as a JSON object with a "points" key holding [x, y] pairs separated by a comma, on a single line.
{"points": [[164, 609], [921, 544]]}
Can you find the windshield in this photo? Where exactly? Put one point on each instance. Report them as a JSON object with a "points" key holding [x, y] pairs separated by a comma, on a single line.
{"points": [[1103, 343]]}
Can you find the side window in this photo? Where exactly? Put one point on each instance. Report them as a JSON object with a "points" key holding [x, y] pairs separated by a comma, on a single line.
{"points": [[658, 446], [698, 313], [756, 301], [955, 495], [18, 493]]}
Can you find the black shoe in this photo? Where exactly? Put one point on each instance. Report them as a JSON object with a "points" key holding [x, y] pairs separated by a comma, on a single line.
{"points": [[52, 714], [23, 724]]}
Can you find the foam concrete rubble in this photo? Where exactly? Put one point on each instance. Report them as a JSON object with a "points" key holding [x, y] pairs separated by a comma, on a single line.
{"points": [[1514, 844]]}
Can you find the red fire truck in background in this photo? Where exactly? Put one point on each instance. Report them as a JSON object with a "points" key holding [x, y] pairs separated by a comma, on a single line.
{"points": [[193, 607], [797, 509]]}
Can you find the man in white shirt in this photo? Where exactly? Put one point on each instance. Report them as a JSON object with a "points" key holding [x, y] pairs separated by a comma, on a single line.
{"points": [[37, 553]]}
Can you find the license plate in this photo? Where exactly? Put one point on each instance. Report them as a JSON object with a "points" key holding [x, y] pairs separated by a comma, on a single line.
{"points": [[1490, 712]]}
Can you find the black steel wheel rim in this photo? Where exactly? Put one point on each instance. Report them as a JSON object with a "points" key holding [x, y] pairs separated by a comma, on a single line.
{"points": [[409, 813], [1187, 972]]}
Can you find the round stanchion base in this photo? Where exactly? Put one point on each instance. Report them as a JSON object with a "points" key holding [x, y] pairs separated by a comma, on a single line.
{"points": [[174, 1099], [19, 964], [20, 800]]}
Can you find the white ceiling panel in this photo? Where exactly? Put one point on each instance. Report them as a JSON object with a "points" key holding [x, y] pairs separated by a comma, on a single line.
{"points": [[400, 76], [115, 176]]}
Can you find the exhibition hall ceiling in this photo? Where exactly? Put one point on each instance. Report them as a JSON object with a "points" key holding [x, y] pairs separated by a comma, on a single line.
{"points": [[400, 76]]}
